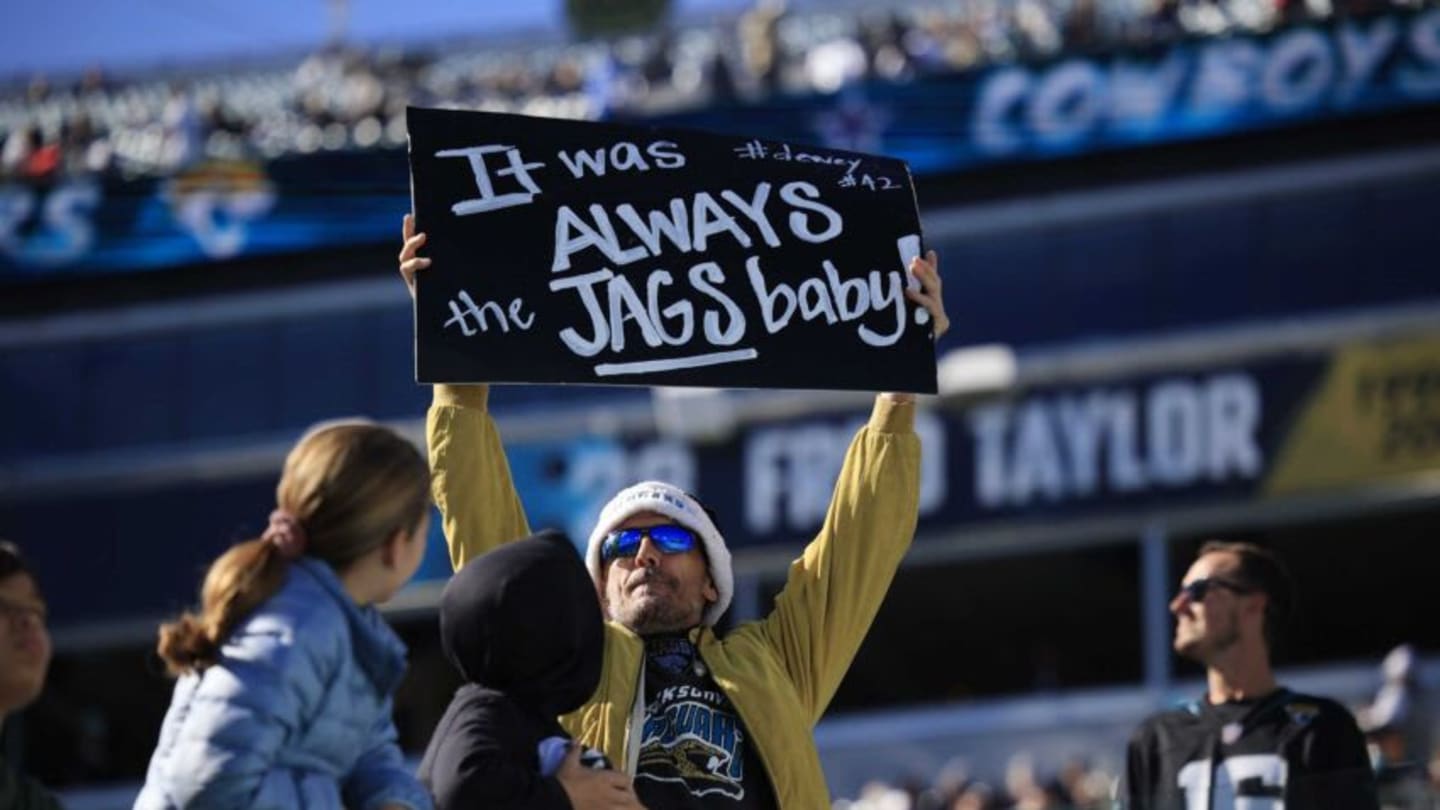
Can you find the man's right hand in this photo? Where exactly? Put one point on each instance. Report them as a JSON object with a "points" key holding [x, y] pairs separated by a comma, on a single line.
{"points": [[410, 264], [590, 789]]}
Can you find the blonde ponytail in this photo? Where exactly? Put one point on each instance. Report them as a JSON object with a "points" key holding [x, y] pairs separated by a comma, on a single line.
{"points": [[237, 583], [347, 487]]}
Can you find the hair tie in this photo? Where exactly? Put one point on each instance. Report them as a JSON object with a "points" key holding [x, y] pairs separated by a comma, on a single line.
{"points": [[286, 534]]}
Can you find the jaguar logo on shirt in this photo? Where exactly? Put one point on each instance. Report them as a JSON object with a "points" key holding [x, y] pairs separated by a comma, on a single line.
{"points": [[695, 745], [1301, 714]]}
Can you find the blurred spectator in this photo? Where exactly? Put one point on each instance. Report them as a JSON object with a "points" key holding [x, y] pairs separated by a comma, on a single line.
{"points": [[30, 156], [760, 43], [1397, 726], [1080, 28], [884, 42], [1027, 791], [878, 795], [1247, 736], [834, 64], [184, 132], [20, 144], [978, 796], [24, 659], [1084, 786], [723, 88], [81, 149]]}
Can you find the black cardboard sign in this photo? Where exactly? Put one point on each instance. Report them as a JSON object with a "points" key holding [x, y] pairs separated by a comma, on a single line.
{"points": [[596, 253]]}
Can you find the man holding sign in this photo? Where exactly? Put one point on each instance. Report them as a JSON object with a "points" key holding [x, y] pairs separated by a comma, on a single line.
{"points": [[701, 721]]}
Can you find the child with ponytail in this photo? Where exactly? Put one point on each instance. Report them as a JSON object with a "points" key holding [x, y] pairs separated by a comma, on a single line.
{"points": [[287, 670]]}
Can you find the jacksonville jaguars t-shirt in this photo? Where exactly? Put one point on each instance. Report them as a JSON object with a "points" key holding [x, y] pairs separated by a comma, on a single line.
{"points": [[694, 751], [1285, 750]]}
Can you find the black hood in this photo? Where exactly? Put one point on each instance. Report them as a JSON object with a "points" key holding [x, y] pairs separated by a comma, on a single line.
{"points": [[524, 620]]}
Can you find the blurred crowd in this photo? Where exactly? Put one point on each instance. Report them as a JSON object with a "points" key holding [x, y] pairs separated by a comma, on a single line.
{"points": [[1077, 785], [345, 98]]}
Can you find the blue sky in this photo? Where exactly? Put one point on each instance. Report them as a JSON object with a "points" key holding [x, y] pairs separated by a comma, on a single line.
{"points": [[69, 35]]}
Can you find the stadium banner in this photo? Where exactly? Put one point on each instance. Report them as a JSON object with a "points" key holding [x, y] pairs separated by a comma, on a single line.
{"points": [[1366, 415], [582, 252], [208, 212], [1192, 90], [1375, 417], [1197, 88]]}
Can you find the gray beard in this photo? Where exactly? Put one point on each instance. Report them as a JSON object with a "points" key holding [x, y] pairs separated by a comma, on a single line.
{"points": [[653, 618]]}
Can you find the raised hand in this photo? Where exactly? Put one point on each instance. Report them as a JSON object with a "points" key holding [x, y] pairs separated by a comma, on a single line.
{"points": [[410, 264], [926, 270], [590, 789]]}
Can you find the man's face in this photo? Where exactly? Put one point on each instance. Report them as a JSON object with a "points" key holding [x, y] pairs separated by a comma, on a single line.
{"points": [[654, 592], [1207, 627], [24, 642]]}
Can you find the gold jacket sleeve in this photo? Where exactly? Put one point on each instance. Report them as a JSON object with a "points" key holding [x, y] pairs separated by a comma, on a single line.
{"points": [[469, 474], [837, 585]]}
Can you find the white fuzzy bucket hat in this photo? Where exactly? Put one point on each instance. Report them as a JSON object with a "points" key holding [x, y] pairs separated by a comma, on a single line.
{"points": [[672, 502]]}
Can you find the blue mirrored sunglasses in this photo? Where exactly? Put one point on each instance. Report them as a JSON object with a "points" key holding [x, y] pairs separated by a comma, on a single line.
{"points": [[668, 538]]}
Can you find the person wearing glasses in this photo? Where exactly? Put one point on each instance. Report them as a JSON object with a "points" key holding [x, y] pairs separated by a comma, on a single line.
{"points": [[697, 719], [24, 660], [1248, 743]]}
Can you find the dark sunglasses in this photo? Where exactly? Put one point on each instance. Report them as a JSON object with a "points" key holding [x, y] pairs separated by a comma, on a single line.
{"points": [[1197, 590], [668, 538]]}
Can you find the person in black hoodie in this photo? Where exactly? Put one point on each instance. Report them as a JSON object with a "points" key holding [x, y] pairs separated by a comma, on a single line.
{"points": [[522, 625]]}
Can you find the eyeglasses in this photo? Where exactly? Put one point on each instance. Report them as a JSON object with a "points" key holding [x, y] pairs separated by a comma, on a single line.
{"points": [[1196, 591], [17, 614], [668, 538]]}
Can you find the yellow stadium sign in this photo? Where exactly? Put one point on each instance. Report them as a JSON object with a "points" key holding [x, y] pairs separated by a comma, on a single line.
{"points": [[1376, 417]]}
